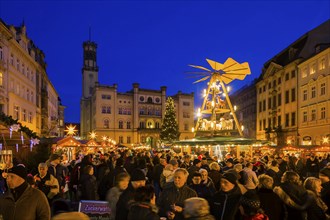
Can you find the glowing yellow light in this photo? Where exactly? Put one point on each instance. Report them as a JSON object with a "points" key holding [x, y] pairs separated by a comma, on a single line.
{"points": [[288, 142], [92, 135], [325, 140], [204, 93], [242, 127], [235, 107], [192, 129], [71, 130], [212, 103], [104, 138], [212, 124], [228, 89]]}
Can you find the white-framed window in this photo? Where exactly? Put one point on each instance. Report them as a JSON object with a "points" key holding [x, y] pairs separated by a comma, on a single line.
{"points": [[313, 68], [28, 94], [24, 114], [120, 124], [313, 115], [121, 139], [30, 117], [322, 89], [313, 95], [31, 97], [16, 112], [157, 125], [128, 125], [104, 109], [106, 123], [108, 110], [305, 95], [23, 69], [304, 116], [18, 65], [323, 113], [304, 73]]}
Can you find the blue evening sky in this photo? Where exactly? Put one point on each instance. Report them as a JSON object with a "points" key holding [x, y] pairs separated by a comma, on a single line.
{"points": [[153, 42]]}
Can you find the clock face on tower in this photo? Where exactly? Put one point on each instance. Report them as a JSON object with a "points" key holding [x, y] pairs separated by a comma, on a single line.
{"points": [[141, 98]]}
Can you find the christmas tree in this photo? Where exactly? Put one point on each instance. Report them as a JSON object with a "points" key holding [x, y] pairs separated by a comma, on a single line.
{"points": [[170, 128]]}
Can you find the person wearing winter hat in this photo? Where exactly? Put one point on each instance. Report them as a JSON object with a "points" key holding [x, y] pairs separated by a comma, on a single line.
{"points": [[138, 179], [21, 201], [324, 176], [250, 207], [227, 198]]}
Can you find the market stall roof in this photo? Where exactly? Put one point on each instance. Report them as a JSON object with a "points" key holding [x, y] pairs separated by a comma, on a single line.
{"points": [[221, 140], [67, 141]]}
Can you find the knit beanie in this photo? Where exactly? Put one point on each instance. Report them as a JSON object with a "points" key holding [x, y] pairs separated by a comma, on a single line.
{"points": [[325, 172], [250, 201], [19, 170], [230, 177], [138, 175]]}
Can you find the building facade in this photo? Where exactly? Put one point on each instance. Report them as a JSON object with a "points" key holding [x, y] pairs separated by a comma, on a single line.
{"points": [[245, 100], [130, 118], [314, 107], [26, 92], [281, 88]]}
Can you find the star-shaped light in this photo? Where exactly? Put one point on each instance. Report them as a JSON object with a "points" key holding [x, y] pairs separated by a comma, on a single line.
{"points": [[92, 135], [71, 130]]}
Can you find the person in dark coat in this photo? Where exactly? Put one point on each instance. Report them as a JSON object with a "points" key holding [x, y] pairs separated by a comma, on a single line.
{"points": [[215, 174], [312, 166], [157, 171], [294, 196], [173, 196], [272, 205], [201, 189], [143, 207], [194, 168], [224, 204], [274, 172], [88, 185], [318, 208], [325, 192], [21, 201], [138, 179]]}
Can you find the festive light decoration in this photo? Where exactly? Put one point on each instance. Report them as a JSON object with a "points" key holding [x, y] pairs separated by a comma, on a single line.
{"points": [[92, 135], [14, 127], [213, 105], [71, 130], [170, 128]]}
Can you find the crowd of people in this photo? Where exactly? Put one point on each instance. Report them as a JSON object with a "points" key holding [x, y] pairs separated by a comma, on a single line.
{"points": [[148, 185]]}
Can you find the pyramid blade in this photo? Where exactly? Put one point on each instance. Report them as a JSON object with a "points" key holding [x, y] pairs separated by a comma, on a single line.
{"points": [[226, 80], [200, 67], [202, 79], [215, 65]]}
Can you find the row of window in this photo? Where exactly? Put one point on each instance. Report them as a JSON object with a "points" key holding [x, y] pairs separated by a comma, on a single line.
{"points": [[25, 70], [23, 115], [20, 90], [313, 115], [277, 121], [121, 124], [272, 85], [273, 122], [313, 68], [313, 92]]}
